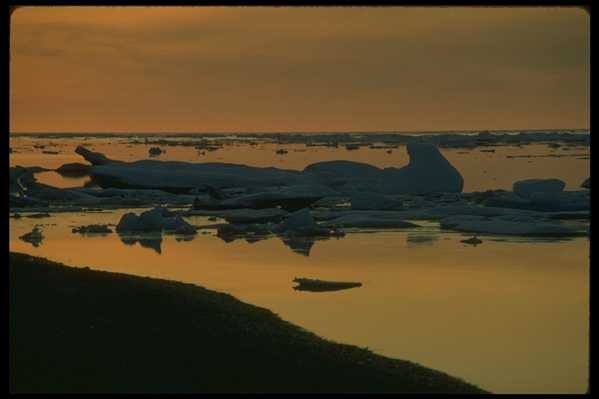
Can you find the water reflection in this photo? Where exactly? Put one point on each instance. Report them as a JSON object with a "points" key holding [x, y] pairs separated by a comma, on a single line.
{"points": [[248, 237], [185, 238], [255, 239], [473, 241], [322, 289], [420, 238], [34, 237], [151, 241], [299, 245], [531, 240]]}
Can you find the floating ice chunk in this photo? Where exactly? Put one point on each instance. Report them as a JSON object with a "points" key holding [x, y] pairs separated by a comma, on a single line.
{"points": [[34, 237], [289, 198], [178, 225], [473, 224], [428, 171], [129, 222], [366, 220], [307, 284], [156, 219], [330, 170], [569, 215], [147, 221], [562, 201], [154, 151], [472, 241], [254, 215], [230, 232], [507, 199], [373, 201], [299, 221], [183, 177], [525, 188], [151, 220], [206, 203], [44, 192], [542, 201]]}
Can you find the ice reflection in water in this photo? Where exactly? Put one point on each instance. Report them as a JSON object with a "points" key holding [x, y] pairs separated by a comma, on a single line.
{"points": [[151, 241]]}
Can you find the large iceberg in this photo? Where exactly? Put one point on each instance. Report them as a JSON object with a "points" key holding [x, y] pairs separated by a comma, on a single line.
{"points": [[428, 171]]}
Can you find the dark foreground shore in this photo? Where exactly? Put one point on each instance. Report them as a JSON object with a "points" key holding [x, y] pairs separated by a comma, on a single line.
{"points": [[79, 330]]}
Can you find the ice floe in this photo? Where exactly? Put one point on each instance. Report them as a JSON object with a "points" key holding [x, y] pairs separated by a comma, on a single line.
{"points": [[428, 171], [154, 220], [376, 221], [34, 237], [308, 284], [526, 188], [374, 201], [480, 224]]}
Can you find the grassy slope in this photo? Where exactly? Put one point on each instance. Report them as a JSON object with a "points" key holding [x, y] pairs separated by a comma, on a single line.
{"points": [[79, 330]]}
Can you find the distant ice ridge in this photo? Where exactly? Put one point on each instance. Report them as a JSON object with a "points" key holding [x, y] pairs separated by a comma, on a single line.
{"points": [[443, 139]]}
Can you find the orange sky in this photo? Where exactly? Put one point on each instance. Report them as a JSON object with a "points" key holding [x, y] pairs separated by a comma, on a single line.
{"points": [[211, 69]]}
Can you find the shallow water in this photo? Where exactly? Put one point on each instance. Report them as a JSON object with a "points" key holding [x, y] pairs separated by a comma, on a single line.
{"points": [[481, 170], [509, 315]]}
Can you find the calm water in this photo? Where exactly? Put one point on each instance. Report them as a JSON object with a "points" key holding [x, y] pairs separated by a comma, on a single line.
{"points": [[508, 315]]}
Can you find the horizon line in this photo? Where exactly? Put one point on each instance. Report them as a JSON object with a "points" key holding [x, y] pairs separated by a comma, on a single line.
{"points": [[299, 131]]}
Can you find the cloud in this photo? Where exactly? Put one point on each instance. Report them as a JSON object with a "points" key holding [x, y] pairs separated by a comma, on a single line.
{"points": [[252, 68]]}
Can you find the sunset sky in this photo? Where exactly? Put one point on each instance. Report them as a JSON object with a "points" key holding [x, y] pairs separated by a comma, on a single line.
{"points": [[269, 69]]}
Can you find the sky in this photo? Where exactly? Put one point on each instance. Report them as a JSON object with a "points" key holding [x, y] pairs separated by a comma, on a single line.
{"points": [[277, 69]]}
